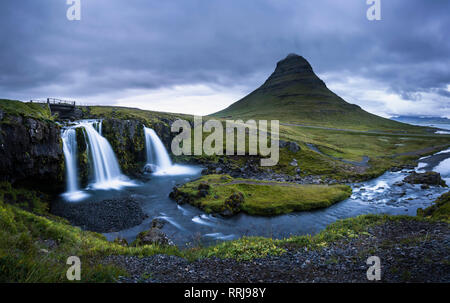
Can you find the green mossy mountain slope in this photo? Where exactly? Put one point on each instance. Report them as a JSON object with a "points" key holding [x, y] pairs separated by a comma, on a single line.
{"points": [[294, 94]]}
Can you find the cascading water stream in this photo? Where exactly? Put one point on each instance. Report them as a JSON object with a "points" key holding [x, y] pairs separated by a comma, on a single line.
{"points": [[106, 167], [156, 152], [107, 174], [70, 155], [158, 158], [106, 170]]}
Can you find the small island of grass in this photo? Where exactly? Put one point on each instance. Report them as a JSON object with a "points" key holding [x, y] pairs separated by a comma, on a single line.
{"points": [[227, 196]]}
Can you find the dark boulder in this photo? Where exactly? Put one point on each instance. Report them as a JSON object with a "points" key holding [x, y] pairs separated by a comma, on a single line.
{"points": [[127, 139], [294, 147], [149, 168], [153, 236], [181, 197], [233, 204], [121, 241], [203, 190], [429, 178], [157, 223]]}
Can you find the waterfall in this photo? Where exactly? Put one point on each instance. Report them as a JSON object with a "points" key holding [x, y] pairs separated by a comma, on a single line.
{"points": [[159, 160], [69, 140], [156, 152], [107, 173], [106, 170], [70, 155]]}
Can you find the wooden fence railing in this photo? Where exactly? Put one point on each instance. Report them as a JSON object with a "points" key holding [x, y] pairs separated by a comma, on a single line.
{"points": [[55, 101]]}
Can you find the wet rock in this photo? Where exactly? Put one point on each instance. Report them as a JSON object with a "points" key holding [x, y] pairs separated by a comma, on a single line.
{"points": [[149, 168], [429, 178], [157, 223], [121, 241], [180, 197], [294, 147], [153, 236]]}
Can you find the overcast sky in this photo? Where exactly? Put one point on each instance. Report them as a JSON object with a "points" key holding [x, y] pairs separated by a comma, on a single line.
{"points": [[199, 56]]}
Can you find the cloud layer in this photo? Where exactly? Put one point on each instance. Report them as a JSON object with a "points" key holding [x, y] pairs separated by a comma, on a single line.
{"points": [[201, 55]]}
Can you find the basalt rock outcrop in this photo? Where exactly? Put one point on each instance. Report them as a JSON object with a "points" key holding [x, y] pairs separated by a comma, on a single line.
{"points": [[128, 142], [292, 146], [83, 163], [127, 139], [31, 152]]}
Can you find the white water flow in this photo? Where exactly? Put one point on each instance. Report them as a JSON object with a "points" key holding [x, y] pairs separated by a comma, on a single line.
{"points": [[158, 157], [70, 155], [156, 152], [107, 174]]}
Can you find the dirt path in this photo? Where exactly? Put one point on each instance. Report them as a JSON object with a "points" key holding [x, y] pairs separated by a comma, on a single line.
{"points": [[363, 163], [422, 151], [261, 183]]}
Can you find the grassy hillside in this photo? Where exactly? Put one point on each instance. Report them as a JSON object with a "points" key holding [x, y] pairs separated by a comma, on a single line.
{"points": [[384, 150], [118, 112], [33, 110], [293, 93]]}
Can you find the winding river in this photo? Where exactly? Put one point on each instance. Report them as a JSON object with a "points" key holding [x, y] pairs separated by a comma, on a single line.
{"points": [[187, 224]]}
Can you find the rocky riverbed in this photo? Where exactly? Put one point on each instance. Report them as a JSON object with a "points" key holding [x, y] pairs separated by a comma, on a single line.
{"points": [[102, 216], [409, 250]]}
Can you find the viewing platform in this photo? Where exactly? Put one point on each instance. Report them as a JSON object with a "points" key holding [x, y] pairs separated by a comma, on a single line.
{"points": [[65, 109]]}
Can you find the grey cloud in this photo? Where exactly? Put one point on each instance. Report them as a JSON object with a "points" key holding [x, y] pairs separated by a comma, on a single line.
{"points": [[140, 44]]}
